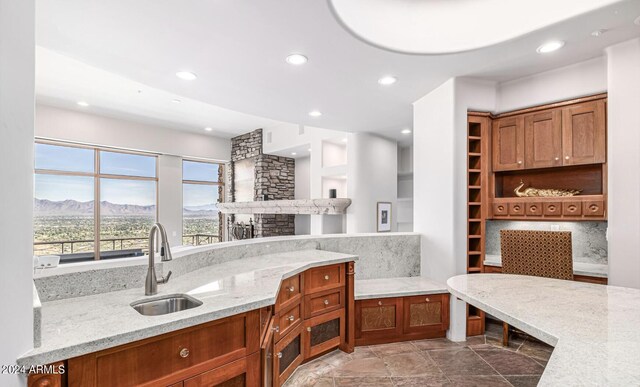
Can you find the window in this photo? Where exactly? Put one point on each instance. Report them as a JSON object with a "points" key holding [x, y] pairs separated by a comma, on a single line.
{"points": [[202, 190], [69, 180]]}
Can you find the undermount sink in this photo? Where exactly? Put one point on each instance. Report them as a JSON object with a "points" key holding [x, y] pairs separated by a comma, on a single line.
{"points": [[165, 305]]}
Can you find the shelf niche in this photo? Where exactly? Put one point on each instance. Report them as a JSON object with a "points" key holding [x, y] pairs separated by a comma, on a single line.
{"points": [[588, 178]]}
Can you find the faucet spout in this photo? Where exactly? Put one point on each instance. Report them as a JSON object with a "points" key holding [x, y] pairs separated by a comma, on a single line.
{"points": [[151, 282]]}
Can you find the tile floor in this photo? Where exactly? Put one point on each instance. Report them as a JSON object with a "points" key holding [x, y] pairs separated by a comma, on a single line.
{"points": [[480, 361]]}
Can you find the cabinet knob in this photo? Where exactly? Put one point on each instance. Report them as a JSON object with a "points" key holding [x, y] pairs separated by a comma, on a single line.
{"points": [[326, 277], [276, 329], [279, 355], [380, 303], [557, 158], [427, 299], [291, 318], [566, 157], [519, 161], [308, 329], [326, 302], [291, 288], [184, 352]]}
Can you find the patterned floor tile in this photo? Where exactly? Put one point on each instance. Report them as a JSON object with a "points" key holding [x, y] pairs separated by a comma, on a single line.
{"points": [[462, 361], [507, 363], [523, 380], [422, 381], [424, 345], [410, 364], [478, 381], [393, 348]]}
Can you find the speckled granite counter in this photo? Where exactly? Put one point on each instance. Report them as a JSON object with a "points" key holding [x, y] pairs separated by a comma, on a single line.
{"points": [[594, 328], [396, 287], [579, 268], [81, 325]]}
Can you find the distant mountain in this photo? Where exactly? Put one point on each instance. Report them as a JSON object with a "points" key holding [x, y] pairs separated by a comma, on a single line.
{"points": [[73, 207]]}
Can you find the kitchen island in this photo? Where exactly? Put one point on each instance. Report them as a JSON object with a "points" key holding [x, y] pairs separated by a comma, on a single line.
{"points": [[594, 328]]}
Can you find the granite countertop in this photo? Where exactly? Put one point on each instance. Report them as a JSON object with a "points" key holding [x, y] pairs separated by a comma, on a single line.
{"points": [[82, 325], [594, 328], [579, 268], [396, 287]]}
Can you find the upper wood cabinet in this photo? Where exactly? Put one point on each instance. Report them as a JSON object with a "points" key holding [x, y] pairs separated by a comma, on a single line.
{"points": [[583, 133], [508, 143], [543, 139]]}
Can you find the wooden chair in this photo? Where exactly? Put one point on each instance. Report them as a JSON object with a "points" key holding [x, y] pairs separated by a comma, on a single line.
{"points": [[536, 253]]}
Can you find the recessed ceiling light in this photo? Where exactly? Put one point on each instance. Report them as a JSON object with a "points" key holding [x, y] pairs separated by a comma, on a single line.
{"points": [[293, 153], [598, 33], [82, 103], [387, 80], [176, 101], [405, 131], [296, 59], [315, 113], [208, 129], [550, 46], [186, 75]]}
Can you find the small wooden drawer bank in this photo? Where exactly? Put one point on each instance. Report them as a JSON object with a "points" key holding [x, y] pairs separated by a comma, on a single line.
{"points": [[386, 320]]}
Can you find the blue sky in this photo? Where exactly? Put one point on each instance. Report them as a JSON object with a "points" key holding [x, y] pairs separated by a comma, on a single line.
{"points": [[199, 194]]}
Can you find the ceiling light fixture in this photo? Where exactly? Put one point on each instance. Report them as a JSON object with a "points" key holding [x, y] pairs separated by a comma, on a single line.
{"points": [[208, 129], [598, 33], [387, 80], [82, 103], [315, 113], [293, 153], [550, 46], [296, 59], [186, 75], [405, 131]]}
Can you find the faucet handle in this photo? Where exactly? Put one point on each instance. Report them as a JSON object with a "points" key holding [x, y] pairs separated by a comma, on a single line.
{"points": [[164, 280]]}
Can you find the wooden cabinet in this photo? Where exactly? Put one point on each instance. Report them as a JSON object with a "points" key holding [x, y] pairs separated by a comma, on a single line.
{"points": [[581, 207], [169, 358], [429, 313], [287, 320], [243, 372], [290, 292], [508, 143], [584, 133], [323, 333], [266, 356], [324, 278], [323, 302], [288, 355], [543, 139], [387, 320]]}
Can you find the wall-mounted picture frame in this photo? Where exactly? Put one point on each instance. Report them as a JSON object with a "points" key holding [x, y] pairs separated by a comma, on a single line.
{"points": [[384, 217]]}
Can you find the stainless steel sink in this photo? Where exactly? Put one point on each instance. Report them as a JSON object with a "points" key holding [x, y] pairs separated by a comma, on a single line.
{"points": [[165, 305]]}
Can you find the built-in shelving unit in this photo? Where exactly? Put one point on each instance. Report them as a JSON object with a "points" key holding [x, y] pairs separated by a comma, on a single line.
{"points": [[404, 213], [478, 158]]}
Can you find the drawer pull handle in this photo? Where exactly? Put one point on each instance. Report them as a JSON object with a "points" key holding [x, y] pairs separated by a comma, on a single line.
{"points": [[326, 277], [276, 329], [184, 353], [326, 302], [380, 303], [291, 318], [279, 355], [308, 329], [427, 299], [291, 288]]}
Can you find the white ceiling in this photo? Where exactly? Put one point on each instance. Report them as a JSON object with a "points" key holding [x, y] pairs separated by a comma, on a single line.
{"points": [[237, 48]]}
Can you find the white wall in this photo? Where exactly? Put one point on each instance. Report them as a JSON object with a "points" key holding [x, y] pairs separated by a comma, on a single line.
{"points": [[372, 176], [93, 129], [440, 130], [170, 197], [302, 191], [577, 80], [624, 163], [17, 71]]}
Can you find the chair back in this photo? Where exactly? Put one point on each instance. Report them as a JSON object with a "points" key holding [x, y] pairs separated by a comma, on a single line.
{"points": [[537, 253]]}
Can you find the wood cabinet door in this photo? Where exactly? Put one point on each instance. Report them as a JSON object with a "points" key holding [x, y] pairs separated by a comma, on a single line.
{"points": [[289, 355], [584, 133], [427, 313], [266, 357], [508, 143], [543, 139], [323, 333], [243, 372], [378, 319]]}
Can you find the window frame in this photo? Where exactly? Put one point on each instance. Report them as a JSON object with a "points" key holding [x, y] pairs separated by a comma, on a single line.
{"points": [[219, 183], [97, 176]]}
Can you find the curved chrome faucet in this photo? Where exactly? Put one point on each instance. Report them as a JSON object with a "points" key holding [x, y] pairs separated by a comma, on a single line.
{"points": [[151, 283]]}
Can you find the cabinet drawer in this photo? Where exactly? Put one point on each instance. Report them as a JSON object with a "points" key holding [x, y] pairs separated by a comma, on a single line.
{"points": [[500, 209], [171, 357], [428, 313], [286, 320], [593, 208], [516, 208], [322, 302], [533, 209], [324, 278], [572, 208], [243, 372], [552, 209], [290, 292]]}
